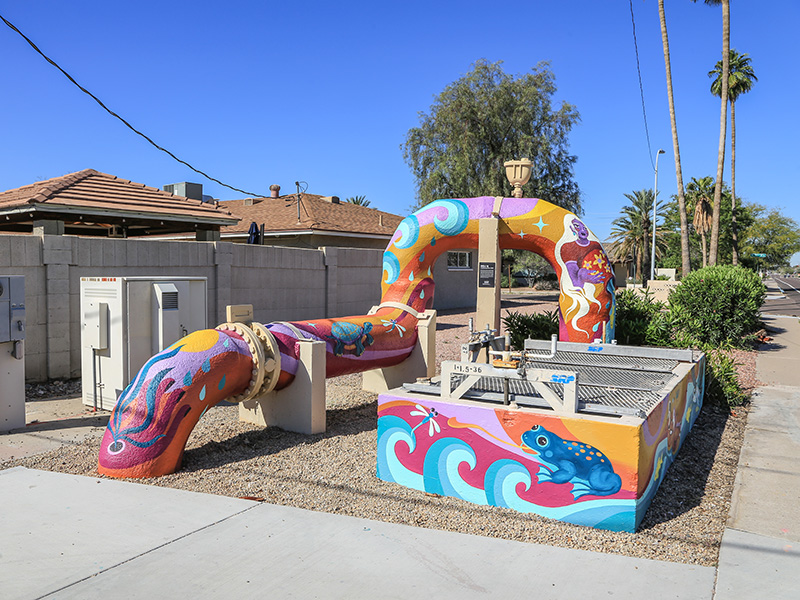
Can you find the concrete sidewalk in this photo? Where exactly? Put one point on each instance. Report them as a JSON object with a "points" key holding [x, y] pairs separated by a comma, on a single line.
{"points": [[66, 536], [760, 552]]}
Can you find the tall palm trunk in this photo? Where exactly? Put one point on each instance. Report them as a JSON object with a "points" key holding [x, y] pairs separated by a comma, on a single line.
{"points": [[734, 234], [703, 246], [685, 257], [639, 265], [645, 272], [723, 122]]}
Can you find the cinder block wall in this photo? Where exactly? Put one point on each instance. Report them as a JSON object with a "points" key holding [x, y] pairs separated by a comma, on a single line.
{"points": [[281, 283], [354, 280]]}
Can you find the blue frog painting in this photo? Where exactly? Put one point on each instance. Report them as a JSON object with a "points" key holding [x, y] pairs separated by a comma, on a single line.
{"points": [[567, 461]]}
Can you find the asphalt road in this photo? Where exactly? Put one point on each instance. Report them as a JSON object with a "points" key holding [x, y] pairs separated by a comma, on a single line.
{"points": [[787, 302]]}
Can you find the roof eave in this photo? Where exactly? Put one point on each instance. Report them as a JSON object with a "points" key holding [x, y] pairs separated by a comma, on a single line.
{"points": [[62, 208]]}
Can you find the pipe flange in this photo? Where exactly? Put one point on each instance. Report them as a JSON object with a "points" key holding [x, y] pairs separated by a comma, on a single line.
{"points": [[257, 352], [272, 357]]}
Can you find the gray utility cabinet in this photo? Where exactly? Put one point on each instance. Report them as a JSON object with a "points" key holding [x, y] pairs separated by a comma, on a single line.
{"points": [[12, 352], [127, 320]]}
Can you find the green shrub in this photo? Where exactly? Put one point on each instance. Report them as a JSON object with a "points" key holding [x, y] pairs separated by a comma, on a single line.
{"points": [[718, 306], [722, 380], [536, 326], [638, 319]]}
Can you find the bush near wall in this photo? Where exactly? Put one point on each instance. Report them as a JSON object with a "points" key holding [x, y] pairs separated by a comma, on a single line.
{"points": [[714, 309], [536, 326], [719, 305]]}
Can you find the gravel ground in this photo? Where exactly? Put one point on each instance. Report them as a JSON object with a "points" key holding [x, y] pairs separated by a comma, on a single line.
{"points": [[335, 472]]}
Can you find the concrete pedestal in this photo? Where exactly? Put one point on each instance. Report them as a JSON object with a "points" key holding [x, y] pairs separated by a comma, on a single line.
{"points": [[299, 407], [488, 309], [421, 362]]}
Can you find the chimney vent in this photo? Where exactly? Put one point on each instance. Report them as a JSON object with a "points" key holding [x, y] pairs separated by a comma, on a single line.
{"points": [[274, 190], [248, 202], [331, 199]]}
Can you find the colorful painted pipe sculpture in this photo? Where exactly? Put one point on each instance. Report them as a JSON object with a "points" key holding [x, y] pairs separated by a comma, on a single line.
{"points": [[155, 414]]}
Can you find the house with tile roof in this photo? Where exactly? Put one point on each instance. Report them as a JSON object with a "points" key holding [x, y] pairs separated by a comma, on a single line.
{"points": [[312, 222], [90, 203]]}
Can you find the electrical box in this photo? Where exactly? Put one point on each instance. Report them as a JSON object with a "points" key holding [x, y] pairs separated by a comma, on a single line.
{"points": [[127, 320], [12, 308], [12, 356]]}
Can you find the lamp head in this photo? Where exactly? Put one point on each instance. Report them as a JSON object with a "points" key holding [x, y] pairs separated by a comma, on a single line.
{"points": [[518, 173]]}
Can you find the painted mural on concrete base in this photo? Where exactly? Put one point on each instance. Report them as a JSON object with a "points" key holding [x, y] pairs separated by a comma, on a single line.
{"points": [[599, 472]]}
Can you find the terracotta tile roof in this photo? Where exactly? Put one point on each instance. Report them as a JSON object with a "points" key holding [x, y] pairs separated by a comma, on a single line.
{"points": [[316, 214], [90, 192]]}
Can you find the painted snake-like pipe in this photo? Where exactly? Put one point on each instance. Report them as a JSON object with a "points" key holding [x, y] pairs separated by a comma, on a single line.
{"points": [[155, 414]]}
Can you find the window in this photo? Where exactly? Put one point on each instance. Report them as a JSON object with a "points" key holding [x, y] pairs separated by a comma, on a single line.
{"points": [[459, 260]]}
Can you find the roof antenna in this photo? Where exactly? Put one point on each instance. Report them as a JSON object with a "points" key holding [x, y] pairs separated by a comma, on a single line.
{"points": [[297, 183]]}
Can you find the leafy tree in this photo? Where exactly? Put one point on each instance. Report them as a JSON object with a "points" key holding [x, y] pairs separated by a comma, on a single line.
{"points": [[684, 221], [484, 119], [772, 234], [723, 123], [740, 81], [358, 200]]}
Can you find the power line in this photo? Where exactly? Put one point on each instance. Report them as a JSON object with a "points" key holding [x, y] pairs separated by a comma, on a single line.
{"points": [[641, 89], [128, 125]]}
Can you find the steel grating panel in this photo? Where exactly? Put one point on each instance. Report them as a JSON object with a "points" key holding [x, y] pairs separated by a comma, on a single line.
{"points": [[611, 377], [609, 383], [588, 394], [635, 363]]}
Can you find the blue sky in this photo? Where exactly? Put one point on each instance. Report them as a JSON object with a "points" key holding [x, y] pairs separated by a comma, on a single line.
{"points": [[256, 93]]}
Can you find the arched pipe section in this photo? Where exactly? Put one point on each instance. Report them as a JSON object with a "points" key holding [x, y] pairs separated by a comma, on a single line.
{"points": [[150, 424]]}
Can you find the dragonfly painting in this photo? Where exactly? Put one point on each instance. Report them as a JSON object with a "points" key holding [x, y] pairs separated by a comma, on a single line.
{"points": [[430, 418]]}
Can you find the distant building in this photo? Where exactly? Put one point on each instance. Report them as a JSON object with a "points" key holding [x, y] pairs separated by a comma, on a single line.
{"points": [[314, 222], [91, 203]]}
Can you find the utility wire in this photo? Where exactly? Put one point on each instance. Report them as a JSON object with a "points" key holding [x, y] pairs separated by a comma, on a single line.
{"points": [[128, 125], [641, 89]]}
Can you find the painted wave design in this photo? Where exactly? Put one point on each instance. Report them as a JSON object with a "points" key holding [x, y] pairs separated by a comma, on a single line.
{"points": [[409, 232], [391, 266], [393, 430], [441, 475], [441, 470], [456, 216]]}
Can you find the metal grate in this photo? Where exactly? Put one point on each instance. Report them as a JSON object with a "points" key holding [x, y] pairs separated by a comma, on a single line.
{"points": [[633, 363], [595, 395], [169, 300], [611, 376], [607, 383]]}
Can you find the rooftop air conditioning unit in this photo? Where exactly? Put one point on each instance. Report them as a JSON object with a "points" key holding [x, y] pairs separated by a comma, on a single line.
{"points": [[185, 189], [126, 320]]}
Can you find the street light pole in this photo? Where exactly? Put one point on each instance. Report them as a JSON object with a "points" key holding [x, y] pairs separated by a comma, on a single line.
{"points": [[655, 196]]}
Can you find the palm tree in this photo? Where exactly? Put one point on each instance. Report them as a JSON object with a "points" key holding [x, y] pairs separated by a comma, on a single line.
{"points": [[631, 232], [700, 192], [740, 81], [723, 123], [358, 200], [685, 257]]}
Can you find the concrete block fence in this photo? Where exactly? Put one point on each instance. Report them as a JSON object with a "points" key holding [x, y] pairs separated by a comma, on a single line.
{"points": [[281, 283]]}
